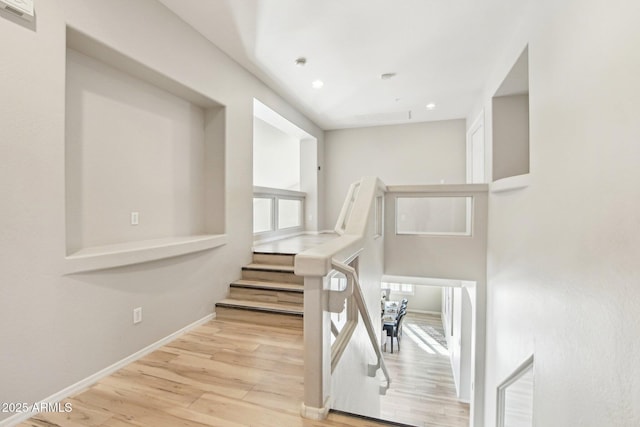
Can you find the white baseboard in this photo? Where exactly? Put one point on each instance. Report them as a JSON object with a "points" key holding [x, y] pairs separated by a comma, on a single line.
{"points": [[313, 413], [92, 379], [435, 313]]}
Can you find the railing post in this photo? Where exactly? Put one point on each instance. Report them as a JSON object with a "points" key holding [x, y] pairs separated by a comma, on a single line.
{"points": [[317, 350]]}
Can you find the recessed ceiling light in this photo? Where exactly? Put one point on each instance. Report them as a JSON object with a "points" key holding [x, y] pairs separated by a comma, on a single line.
{"points": [[431, 106], [301, 62], [317, 84], [387, 76]]}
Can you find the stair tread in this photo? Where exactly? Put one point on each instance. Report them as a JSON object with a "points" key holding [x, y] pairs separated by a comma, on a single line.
{"points": [[263, 284], [263, 306], [270, 267], [290, 253]]}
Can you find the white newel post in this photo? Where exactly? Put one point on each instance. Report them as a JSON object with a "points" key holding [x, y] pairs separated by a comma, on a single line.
{"points": [[317, 350]]}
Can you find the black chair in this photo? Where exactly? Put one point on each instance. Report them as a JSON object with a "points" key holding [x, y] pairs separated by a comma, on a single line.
{"points": [[394, 330]]}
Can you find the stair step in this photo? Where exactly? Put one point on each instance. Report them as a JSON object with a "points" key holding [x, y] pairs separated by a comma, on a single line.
{"points": [[268, 307], [270, 267], [273, 258], [279, 314], [262, 284], [271, 273], [267, 294]]}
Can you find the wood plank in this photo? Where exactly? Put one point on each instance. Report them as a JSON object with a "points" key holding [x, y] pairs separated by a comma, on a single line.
{"points": [[231, 374], [275, 307], [253, 317], [274, 259], [294, 287], [266, 295]]}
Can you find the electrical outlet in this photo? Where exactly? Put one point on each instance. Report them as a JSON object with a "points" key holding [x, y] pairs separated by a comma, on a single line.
{"points": [[135, 218], [137, 315]]}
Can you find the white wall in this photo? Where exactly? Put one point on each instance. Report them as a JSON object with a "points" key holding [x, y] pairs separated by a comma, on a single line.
{"points": [[276, 157], [563, 268], [420, 153], [424, 298], [58, 329]]}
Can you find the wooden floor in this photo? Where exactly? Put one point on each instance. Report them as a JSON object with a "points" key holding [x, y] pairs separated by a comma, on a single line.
{"points": [[294, 245], [422, 391], [220, 374], [230, 374]]}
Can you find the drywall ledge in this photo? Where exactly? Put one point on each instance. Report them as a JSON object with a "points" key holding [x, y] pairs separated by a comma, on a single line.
{"points": [[121, 254], [511, 183]]}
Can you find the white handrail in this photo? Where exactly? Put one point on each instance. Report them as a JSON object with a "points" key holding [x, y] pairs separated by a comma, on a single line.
{"points": [[356, 290], [355, 240]]}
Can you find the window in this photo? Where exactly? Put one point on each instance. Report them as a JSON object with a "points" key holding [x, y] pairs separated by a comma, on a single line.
{"points": [[276, 211], [289, 213], [262, 214], [379, 216], [433, 215], [401, 288]]}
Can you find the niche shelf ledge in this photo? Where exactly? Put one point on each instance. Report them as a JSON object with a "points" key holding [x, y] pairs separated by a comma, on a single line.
{"points": [[122, 254], [510, 183]]}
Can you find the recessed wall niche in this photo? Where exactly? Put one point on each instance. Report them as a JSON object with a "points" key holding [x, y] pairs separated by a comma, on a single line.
{"points": [[510, 110], [138, 144]]}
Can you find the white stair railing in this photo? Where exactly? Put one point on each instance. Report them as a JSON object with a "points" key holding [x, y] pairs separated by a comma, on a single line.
{"points": [[358, 241], [337, 299]]}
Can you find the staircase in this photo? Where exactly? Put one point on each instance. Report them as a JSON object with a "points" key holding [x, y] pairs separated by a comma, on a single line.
{"points": [[269, 293]]}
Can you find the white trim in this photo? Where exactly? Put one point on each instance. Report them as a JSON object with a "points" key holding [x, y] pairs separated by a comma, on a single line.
{"points": [[429, 281], [312, 413], [267, 191], [435, 313], [477, 124], [511, 183], [94, 378], [438, 188], [121, 254], [295, 234], [520, 371]]}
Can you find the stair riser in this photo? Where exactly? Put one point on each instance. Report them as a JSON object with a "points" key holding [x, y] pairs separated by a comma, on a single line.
{"points": [[256, 317], [294, 298], [273, 259], [272, 276]]}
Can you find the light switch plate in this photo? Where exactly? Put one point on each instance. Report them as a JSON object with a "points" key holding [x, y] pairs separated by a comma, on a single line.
{"points": [[21, 8]]}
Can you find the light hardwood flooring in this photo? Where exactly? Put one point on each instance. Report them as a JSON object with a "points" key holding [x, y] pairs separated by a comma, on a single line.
{"points": [[220, 374], [232, 374], [294, 245], [422, 391]]}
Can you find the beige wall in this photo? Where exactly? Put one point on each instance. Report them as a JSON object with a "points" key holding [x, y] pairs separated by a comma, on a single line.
{"points": [[510, 136], [563, 253], [130, 146], [420, 153], [57, 329], [425, 298]]}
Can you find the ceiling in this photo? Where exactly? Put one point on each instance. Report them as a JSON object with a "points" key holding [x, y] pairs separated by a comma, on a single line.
{"points": [[441, 52]]}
